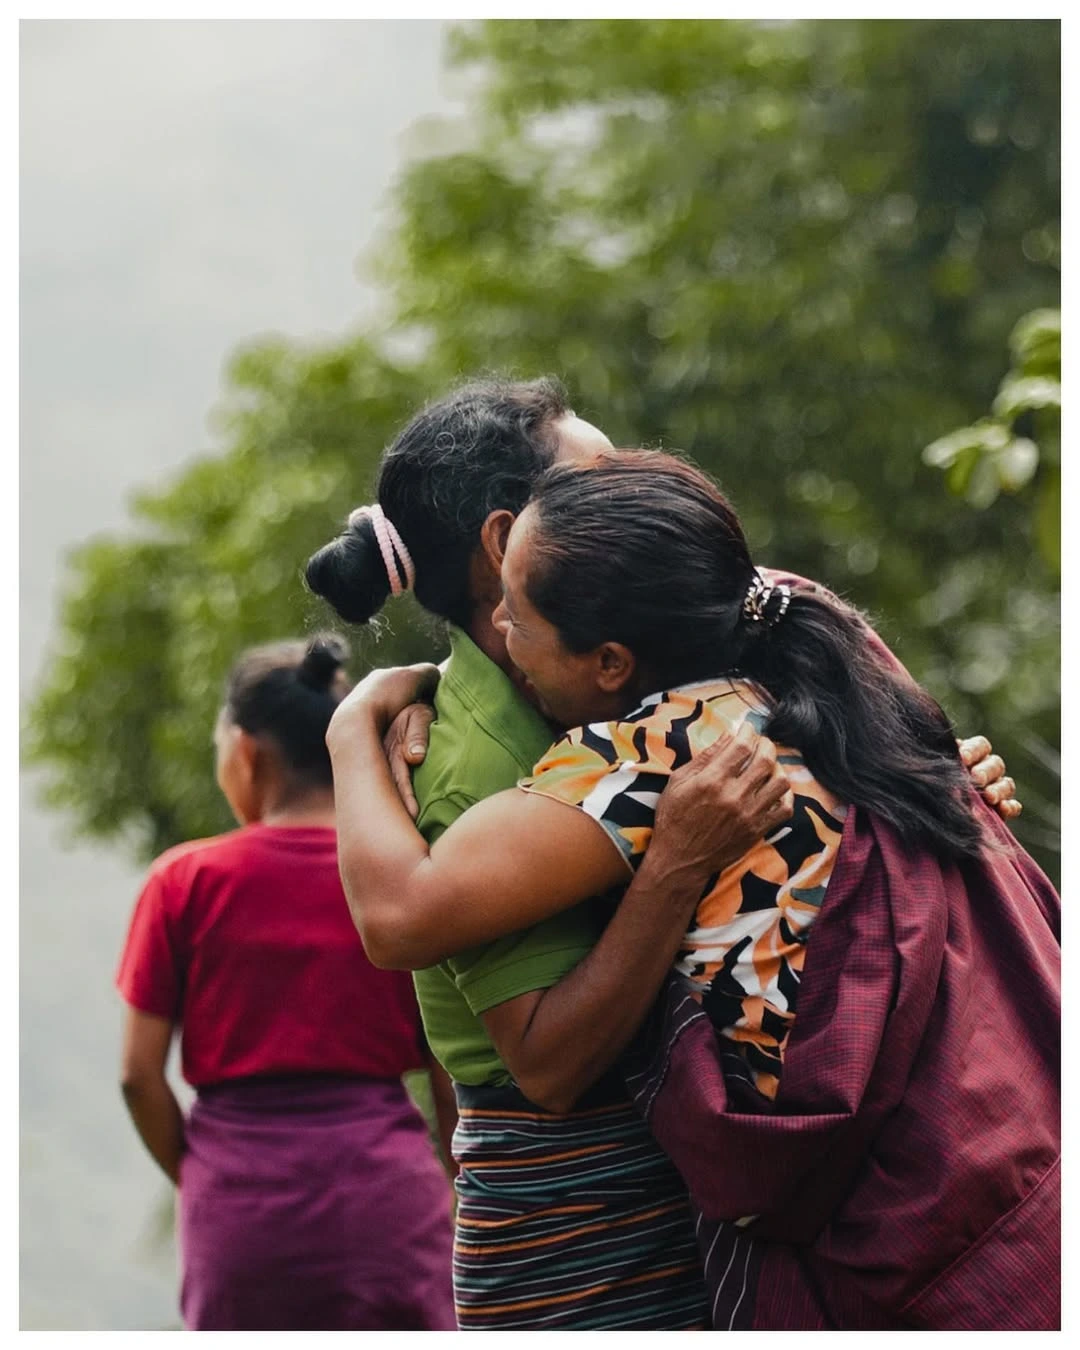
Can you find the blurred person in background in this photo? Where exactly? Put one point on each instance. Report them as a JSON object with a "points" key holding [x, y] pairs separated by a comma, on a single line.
{"points": [[911, 1178], [450, 486], [309, 1194]]}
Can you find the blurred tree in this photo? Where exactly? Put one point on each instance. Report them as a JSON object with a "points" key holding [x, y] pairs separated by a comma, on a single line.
{"points": [[793, 250]]}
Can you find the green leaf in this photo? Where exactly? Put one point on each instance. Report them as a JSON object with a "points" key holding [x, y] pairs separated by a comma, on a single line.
{"points": [[983, 484], [1020, 393], [983, 437], [1037, 334], [1016, 464], [944, 452]]}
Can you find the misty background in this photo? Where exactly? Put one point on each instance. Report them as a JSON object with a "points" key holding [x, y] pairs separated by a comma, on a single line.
{"points": [[184, 187]]}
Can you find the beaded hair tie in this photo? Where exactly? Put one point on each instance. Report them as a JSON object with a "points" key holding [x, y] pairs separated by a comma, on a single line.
{"points": [[758, 595]]}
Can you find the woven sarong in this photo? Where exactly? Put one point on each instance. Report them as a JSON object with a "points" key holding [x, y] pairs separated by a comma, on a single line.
{"points": [[577, 1222], [312, 1204]]}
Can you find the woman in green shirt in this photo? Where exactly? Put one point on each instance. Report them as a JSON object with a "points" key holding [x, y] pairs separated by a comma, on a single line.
{"points": [[590, 1227], [451, 485]]}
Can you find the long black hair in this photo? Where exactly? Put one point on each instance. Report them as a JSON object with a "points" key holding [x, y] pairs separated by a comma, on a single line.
{"points": [[288, 691], [478, 450], [642, 548]]}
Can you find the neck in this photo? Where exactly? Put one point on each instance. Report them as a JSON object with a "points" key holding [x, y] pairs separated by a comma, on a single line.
{"points": [[485, 592], [312, 810], [490, 641]]}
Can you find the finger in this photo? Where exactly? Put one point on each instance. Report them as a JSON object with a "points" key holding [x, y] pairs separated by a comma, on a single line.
{"points": [[1010, 809], [417, 732], [988, 771], [428, 678], [974, 749], [745, 746], [1001, 791], [764, 766], [782, 811], [402, 781], [399, 769], [774, 789], [715, 758]]}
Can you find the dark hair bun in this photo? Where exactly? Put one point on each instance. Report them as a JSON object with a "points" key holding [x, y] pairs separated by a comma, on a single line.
{"points": [[326, 654], [349, 573]]}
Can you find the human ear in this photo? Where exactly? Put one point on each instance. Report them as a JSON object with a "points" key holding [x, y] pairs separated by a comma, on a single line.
{"points": [[237, 756], [615, 667], [247, 752], [494, 533]]}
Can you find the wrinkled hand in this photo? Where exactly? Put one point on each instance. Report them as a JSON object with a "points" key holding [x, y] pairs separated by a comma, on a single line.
{"points": [[988, 774], [718, 806], [406, 745]]}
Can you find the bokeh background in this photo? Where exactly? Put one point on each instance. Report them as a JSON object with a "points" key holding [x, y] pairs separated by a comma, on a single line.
{"points": [[821, 257]]}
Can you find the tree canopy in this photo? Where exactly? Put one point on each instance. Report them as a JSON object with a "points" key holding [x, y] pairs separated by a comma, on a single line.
{"points": [[794, 251]]}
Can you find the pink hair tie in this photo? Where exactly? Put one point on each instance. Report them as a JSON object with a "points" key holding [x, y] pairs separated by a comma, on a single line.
{"points": [[390, 544]]}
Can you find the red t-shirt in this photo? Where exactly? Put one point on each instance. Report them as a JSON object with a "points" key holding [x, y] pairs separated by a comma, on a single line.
{"points": [[247, 942]]}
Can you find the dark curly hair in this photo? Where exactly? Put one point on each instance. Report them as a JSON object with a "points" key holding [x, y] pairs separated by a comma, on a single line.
{"points": [[478, 450]]}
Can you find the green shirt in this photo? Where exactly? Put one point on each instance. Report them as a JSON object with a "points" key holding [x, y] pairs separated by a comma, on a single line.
{"points": [[485, 737]]}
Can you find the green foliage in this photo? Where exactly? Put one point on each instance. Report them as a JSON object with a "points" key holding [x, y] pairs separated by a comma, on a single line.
{"points": [[793, 250], [991, 456], [150, 627]]}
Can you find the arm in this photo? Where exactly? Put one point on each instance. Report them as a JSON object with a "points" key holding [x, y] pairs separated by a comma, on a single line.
{"points": [[557, 1042], [446, 1116], [149, 1098], [414, 906]]}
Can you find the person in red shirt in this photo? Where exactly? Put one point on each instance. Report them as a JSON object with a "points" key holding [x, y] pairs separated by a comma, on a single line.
{"points": [[309, 1194]]}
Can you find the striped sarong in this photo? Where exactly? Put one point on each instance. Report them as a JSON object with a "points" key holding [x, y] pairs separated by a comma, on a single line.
{"points": [[577, 1221]]}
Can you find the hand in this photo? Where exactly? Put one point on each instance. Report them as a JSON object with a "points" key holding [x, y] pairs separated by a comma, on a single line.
{"points": [[381, 695], [718, 806], [406, 745], [988, 774]]}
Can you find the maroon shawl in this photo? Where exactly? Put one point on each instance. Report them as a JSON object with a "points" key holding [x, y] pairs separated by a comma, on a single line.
{"points": [[907, 1173]]}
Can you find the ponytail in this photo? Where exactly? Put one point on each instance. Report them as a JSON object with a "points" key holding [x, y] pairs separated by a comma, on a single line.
{"points": [[869, 734], [288, 691]]}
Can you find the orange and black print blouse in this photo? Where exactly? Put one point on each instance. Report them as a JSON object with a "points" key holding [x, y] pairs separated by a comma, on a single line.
{"points": [[744, 952]]}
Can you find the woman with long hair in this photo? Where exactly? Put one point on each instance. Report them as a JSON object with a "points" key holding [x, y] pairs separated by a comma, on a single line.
{"points": [[309, 1196], [633, 608]]}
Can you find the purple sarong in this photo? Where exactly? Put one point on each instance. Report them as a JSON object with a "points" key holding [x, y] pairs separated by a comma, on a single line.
{"points": [[312, 1204]]}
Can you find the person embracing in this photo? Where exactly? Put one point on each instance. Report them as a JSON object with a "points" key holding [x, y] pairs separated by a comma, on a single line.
{"points": [[529, 988]]}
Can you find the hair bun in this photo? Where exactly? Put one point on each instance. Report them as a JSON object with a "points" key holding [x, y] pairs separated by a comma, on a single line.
{"points": [[326, 654], [349, 573]]}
